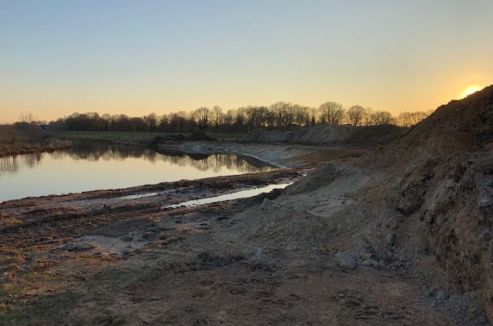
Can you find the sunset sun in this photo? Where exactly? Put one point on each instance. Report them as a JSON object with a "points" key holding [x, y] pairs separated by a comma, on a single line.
{"points": [[471, 89]]}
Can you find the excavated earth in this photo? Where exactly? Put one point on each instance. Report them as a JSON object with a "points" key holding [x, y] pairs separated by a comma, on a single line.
{"points": [[397, 235]]}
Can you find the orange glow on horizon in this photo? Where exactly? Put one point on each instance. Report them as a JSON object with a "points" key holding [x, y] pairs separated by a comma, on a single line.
{"points": [[471, 89]]}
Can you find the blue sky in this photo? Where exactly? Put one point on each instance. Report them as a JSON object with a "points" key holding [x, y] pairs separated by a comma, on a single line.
{"points": [[136, 57]]}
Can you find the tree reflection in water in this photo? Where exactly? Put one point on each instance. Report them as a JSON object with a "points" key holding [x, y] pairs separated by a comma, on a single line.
{"points": [[90, 152], [11, 164]]}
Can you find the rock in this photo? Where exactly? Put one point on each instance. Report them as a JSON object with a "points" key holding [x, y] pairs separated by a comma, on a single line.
{"points": [[74, 246], [442, 295], [390, 240], [266, 204], [148, 234], [411, 199], [371, 262], [346, 260], [430, 292], [127, 238]]}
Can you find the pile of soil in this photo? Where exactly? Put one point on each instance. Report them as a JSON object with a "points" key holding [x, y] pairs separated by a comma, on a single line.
{"points": [[440, 181], [422, 206]]}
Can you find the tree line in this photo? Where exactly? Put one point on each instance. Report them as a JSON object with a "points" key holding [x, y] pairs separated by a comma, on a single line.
{"points": [[279, 115]]}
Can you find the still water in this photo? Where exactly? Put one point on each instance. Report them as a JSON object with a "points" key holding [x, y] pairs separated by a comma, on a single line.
{"points": [[84, 168]]}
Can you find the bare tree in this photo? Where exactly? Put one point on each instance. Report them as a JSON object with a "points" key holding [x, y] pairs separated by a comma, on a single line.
{"points": [[217, 116], [377, 118], [279, 115], [409, 119], [332, 113], [151, 121], [201, 116], [283, 114], [356, 115], [417, 117], [26, 117], [229, 119], [404, 119], [301, 115]]}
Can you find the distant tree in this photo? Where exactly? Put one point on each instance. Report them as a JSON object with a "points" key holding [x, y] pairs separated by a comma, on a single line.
{"points": [[202, 117], [331, 113], [377, 118], [151, 121], [283, 114], [256, 117], [217, 116], [409, 119], [163, 124], [301, 115], [26, 117], [229, 119], [404, 119], [240, 120], [356, 115], [280, 115], [178, 121]]}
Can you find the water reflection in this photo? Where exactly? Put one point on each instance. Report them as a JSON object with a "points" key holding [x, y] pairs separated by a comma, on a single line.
{"points": [[94, 153], [11, 164]]}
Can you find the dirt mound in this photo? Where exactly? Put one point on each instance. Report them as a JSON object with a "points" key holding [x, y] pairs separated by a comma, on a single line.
{"points": [[460, 126], [333, 135], [439, 178], [420, 206]]}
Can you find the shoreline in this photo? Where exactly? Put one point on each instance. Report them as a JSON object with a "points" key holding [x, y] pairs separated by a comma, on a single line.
{"points": [[30, 148], [277, 154]]}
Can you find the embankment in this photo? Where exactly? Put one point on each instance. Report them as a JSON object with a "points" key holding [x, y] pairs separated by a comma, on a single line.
{"points": [[342, 135], [421, 206], [282, 155]]}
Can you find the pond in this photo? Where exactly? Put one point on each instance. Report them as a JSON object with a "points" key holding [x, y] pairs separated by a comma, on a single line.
{"points": [[95, 167]]}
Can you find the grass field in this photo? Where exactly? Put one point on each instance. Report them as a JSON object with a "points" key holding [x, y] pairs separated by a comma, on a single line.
{"points": [[22, 143], [18, 148]]}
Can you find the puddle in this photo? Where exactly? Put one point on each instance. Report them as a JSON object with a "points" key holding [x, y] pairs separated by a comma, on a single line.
{"points": [[112, 244], [232, 196], [150, 194]]}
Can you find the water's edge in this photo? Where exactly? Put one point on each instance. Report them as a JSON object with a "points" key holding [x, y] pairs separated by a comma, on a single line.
{"points": [[232, 196]]}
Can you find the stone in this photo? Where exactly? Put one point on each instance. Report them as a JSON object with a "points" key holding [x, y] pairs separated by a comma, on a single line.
{"points": [[430, 292], [127, 238], [442, 295], [390, 240], [82, 246], [266, 204], [346, 260]]}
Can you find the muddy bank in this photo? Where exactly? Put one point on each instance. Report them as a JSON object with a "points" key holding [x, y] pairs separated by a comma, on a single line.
{"points": [[283, 155], [17, 214], [257, 261]]}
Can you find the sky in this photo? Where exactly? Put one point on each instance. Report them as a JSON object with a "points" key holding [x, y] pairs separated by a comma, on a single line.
{"points": [[141, 56]]}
